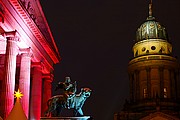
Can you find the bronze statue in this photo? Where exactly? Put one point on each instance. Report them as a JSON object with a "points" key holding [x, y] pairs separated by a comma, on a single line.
{"points": [[69, 90], [68, 100]]}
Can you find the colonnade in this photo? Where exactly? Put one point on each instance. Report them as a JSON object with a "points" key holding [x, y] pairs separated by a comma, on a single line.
{"points": [[35, 85]]}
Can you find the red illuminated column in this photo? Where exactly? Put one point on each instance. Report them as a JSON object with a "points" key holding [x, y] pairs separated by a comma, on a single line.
{"points": [[24, 79], [47, 80], [36, 92], [47, 86], [9, 73]]}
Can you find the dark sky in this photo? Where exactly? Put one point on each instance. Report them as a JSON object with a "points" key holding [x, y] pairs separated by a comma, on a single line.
{"points": [[95, 39]]}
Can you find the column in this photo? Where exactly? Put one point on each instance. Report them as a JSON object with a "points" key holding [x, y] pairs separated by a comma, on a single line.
{"points": [[9, 74], [178, 84], [36, 91], [161, 74], [47, 94], [172, 83], [132, 87], [148, 71], [137, 85], [24, 78]]}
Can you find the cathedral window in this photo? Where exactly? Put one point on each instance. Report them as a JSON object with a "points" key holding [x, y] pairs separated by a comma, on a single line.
{"points": [[136, 53], [143, 49], [147, 51], [165, 92], [145, 94], [153, 48]]}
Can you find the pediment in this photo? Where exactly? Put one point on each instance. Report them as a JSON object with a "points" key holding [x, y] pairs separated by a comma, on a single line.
{"points": [[31, 22], [159, 116], [34, 10]]}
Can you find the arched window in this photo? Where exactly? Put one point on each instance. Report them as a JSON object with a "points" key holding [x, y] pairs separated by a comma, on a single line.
{"points": [[145, 94], [165, 92]]}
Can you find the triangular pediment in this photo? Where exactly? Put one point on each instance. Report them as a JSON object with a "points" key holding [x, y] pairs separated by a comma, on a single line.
{"points": [[32, 27], [34, 9], [159, 116]]}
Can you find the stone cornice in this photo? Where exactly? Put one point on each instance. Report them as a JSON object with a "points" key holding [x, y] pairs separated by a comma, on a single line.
{"points": [[152, 57], [153, 61], [159, 114]]}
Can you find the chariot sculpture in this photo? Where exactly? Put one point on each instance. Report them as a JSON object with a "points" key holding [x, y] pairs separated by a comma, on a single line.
{"points": [[68, 100]]}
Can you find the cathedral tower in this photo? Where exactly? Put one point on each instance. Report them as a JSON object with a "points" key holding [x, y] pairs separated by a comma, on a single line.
{"points": [[153, 74]]}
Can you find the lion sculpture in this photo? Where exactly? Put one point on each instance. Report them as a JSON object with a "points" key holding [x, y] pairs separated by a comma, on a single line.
{"points": [[58, 102]]}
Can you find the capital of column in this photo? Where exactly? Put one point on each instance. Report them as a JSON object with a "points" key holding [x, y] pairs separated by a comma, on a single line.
{"points": [[12, 35], [36, 64], [26, 52], [48, 77]]}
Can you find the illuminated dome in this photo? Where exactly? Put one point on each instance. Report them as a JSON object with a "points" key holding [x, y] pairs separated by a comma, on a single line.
{"points": [[151, 38], [151, 29]]}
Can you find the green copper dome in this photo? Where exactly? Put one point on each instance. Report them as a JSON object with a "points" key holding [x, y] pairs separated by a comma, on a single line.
{"points": [[151, 29], [151, 38]]}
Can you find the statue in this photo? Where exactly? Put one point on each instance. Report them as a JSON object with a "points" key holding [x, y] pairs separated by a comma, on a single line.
{"points": [[69, 90], [68, 100]]}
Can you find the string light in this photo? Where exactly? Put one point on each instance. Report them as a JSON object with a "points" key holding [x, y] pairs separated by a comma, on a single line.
{"points": [[18, 94]]}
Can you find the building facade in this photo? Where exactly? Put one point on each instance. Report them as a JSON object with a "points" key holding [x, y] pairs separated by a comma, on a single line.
{"points": [[27, 55], [154, 76]]}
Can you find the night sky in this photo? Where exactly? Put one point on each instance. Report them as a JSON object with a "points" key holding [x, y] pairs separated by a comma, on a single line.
{"points": [[95, 39]]}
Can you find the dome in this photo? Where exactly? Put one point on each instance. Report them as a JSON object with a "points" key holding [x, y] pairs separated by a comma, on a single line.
{"points": [[151, 38], [151, 29]]}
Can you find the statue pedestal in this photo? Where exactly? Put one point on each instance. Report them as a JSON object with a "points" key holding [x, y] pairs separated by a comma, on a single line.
{"points": [[66, 118]]}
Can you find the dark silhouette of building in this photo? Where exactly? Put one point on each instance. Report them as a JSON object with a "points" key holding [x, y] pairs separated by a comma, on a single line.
{"points": [[153, 75]]}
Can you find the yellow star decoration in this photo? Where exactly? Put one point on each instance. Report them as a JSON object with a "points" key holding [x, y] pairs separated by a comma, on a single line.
{"points": [[18, 94]]}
